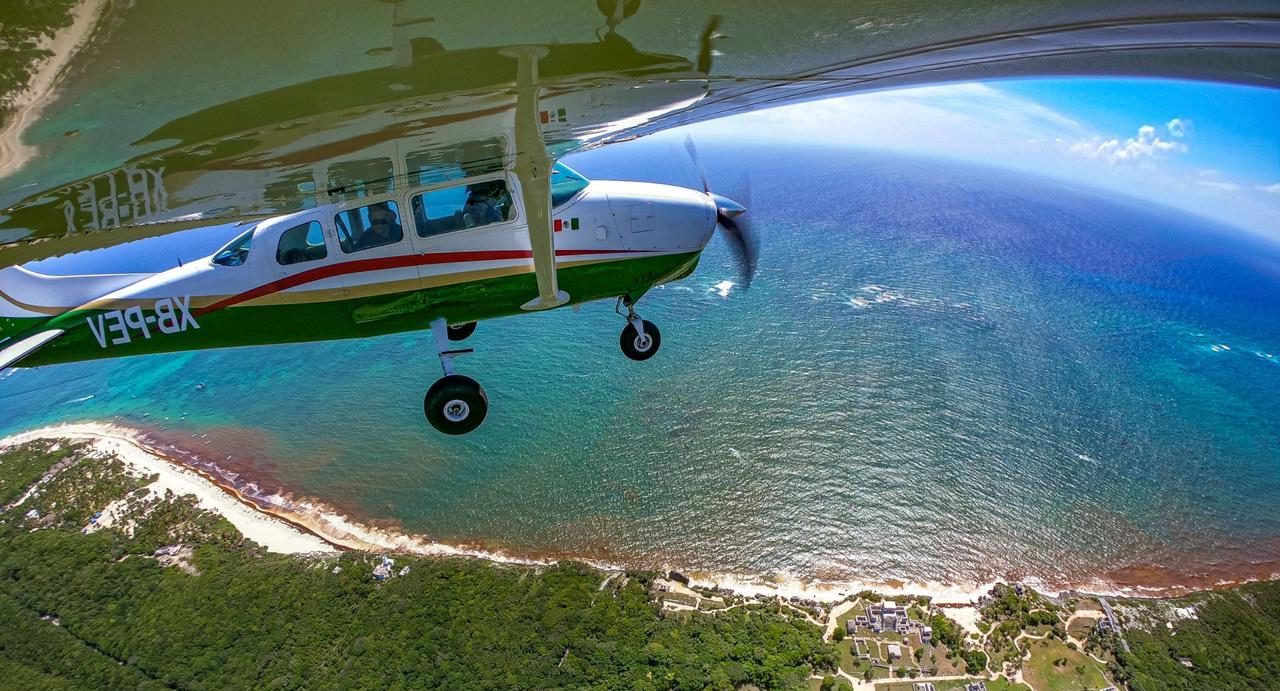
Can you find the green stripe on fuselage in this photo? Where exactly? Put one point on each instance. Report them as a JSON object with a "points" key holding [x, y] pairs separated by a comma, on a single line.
{"points": [[249, 325]]}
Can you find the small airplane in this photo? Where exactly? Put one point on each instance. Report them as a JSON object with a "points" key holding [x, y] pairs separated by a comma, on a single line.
{"points": [[472, 236], [441, 256]]}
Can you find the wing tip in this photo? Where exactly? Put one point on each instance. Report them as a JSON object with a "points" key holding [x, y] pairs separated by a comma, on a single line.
{"points": [[16, 351]]}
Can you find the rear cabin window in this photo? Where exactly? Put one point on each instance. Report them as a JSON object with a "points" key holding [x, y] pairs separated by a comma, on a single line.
{"points": [[369, 226], [465, 206], [236, 251], [304, 243]]}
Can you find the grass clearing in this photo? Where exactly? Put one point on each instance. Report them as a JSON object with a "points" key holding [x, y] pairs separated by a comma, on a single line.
{"points": [[1081, 626], [1073, 671], [946, 667]]}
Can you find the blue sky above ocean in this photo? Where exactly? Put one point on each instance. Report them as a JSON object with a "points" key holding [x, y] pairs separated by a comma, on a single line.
{"points": [[1210, 149]]}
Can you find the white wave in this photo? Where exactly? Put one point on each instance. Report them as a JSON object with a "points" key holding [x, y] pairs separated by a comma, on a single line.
{"points": [[82, 399], [722, 288]]}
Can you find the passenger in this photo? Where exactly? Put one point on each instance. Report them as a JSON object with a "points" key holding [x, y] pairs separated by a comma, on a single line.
{"points": [[480, 210]]}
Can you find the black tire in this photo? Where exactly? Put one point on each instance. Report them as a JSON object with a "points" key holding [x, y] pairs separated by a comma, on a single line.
{"points": [[636, 349], [455, 404], [461, 332]]}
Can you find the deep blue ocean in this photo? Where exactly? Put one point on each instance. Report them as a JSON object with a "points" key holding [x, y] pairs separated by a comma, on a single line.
{"points": [[941, 372]]}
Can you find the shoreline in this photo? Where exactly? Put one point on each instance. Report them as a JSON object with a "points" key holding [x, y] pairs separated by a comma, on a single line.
{"points": [[283, 524], [26, 106], [271, 532]]}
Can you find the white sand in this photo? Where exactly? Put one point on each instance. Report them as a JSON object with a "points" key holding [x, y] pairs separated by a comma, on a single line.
{"points": [[966, 617], [343, 531], [821, 591], [270, 532], [27, 105], [266, 527]]}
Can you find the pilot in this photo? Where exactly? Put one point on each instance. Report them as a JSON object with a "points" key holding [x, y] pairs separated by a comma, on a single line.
{"points": [[384, 227]]}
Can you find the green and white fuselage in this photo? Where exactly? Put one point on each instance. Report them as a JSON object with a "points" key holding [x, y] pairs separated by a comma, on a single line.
{"points": [[456, 251]]}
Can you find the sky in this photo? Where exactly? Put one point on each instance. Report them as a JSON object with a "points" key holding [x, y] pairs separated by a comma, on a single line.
{"points": [[1210, 149]]}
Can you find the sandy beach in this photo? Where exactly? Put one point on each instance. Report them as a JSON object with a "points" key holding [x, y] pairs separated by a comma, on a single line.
{"points": [[288, 525], [27, 105], [278, 523], [275, 534]]}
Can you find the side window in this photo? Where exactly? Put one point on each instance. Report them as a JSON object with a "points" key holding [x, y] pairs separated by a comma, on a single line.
{"points": [[369, 226], [236, 251], [465, 206], [304, 243]]}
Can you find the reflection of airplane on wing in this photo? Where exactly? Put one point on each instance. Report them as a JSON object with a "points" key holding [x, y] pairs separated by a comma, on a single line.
{"points": [[423, 192], [326, 139]]}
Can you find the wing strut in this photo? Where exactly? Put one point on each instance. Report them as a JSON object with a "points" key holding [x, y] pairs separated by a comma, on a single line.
{"points": [[533, 168]]}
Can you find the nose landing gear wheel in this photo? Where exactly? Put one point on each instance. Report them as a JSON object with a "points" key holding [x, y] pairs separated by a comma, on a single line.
{"points": [[637, 346], [461, 332], [455, 404]]}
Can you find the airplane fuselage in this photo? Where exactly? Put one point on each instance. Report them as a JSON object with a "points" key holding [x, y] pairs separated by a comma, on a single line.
{"points": [[456, 251]]}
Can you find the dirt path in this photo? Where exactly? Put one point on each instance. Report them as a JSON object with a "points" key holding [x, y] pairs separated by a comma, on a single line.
{"points": [[830, 629]]}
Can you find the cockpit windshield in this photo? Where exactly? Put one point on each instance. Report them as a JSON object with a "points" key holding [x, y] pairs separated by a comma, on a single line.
{"points": [[236, 251], [565, 183]]}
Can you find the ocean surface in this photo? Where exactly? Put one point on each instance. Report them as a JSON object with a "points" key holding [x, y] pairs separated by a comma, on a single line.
{"points": [[940, 373]]}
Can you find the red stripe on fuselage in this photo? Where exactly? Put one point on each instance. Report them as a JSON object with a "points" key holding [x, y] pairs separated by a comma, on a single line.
{"points": [[383, 263]]}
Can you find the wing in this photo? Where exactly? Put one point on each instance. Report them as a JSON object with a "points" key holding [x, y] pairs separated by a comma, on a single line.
{"points": [[177, 115]]}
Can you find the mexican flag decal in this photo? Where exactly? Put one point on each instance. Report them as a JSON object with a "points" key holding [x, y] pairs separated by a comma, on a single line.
{"points": [[549, 116], [571, 223]]}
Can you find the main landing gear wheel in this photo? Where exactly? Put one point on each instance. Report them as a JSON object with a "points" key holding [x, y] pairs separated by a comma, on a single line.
{"points": [[461, 332], [455, 404], [639, 346]]}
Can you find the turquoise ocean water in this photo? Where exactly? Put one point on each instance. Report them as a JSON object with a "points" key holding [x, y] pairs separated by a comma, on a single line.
{"points": [[940, 373]]}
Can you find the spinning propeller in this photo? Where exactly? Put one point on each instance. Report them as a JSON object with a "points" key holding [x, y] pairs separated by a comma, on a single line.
{"points": [[731, 220]]}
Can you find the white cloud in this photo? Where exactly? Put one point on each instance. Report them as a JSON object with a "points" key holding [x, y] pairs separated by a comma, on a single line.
{"points": [[1147, 144], [1215, 180], [1273, 189], [1178, 127], [926, 119], [1223, 185]]}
